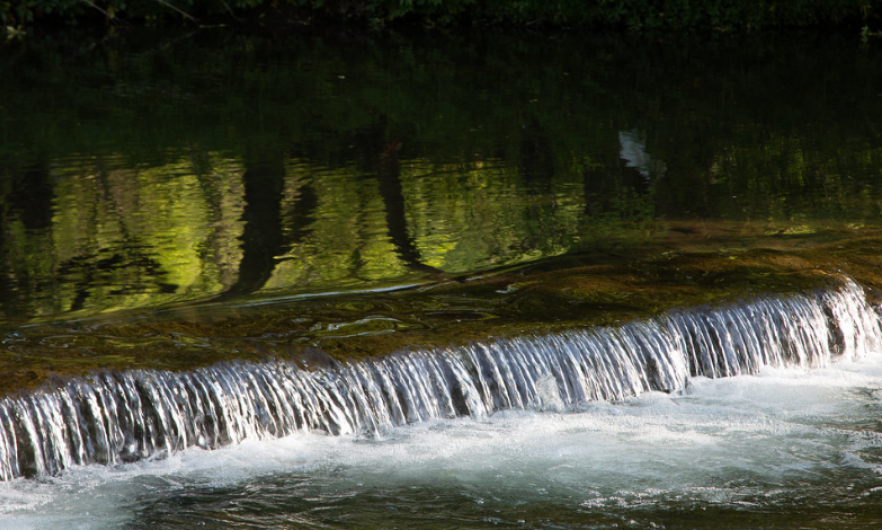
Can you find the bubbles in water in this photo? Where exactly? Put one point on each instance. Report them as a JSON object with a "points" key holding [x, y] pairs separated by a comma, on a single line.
{"points": [[468, 424], [123, 417]]}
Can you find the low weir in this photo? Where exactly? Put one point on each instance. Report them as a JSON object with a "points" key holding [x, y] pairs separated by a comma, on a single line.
{"points": [[113, 418]]}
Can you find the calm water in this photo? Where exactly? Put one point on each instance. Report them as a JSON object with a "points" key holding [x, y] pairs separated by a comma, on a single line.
{"points": [[182, 178], [153, 168]]}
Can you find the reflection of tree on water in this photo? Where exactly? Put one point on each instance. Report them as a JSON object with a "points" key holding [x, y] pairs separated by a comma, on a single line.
{"points": [[29, 202], [30, 197], [262, 238], [300, 215], [535, 165], [379, 155], [423, 158], [108, 268], [272, 227], [66, 252], [125, 268], [536, 158]]}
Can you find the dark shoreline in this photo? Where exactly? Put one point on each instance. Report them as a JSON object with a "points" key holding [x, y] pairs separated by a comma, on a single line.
{"points": [[638, 15]]}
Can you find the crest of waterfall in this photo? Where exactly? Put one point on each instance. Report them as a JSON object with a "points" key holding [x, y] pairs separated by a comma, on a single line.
{"points": [[112, 418]]}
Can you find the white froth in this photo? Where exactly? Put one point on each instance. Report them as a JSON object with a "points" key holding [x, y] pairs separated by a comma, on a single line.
{"points": [[778, 428]]}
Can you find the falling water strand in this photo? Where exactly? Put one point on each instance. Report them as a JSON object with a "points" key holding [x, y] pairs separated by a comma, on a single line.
{"points": [[114, 418]]}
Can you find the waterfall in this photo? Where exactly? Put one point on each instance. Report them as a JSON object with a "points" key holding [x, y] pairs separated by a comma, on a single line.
{"points": [[113, 418]]}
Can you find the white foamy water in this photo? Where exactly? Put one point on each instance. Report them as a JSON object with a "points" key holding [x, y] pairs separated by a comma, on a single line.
{"points": [[783, 434], [114, 418], [769, 405]]}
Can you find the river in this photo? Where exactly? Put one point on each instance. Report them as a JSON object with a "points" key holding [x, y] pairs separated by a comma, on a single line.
{"points": [[440, 279]]}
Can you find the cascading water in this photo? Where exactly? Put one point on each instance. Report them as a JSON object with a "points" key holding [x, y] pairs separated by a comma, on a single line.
{"points": [[113, 418]]}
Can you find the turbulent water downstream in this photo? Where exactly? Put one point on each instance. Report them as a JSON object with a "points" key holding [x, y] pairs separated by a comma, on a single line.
{"points": [[440, 280], [122, 417], [703, 418]]}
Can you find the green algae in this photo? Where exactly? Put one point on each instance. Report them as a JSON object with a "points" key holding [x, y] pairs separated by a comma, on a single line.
{"points": [[602, 290]]}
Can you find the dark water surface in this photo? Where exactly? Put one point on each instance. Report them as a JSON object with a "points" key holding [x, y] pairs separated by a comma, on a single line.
{"points": [[174, 199], [153, 168]]}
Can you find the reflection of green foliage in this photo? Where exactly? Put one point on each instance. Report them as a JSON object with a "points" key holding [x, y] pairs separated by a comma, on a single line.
{"points": [[473, 218], [505, 156], [346, 243], [124, 238]]}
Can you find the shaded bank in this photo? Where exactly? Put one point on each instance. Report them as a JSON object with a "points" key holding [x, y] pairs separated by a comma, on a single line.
{"points": [[634, 14]]}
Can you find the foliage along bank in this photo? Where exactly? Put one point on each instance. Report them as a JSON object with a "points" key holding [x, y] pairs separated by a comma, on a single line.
{"points": [[636, 14]]}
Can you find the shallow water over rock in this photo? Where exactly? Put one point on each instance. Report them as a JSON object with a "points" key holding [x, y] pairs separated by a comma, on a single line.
{"points": [[123, 417]]}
